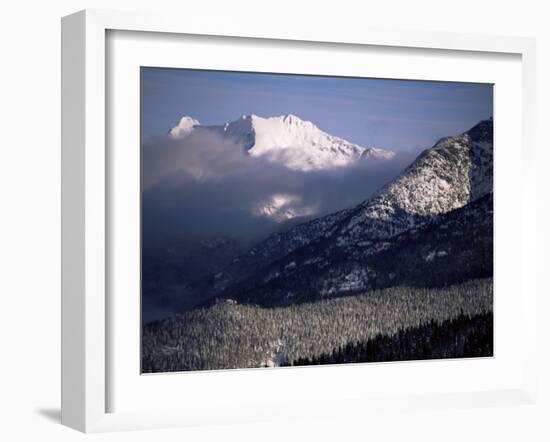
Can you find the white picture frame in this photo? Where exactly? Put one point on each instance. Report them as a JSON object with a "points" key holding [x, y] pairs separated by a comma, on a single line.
{"points": [[86, 315]]}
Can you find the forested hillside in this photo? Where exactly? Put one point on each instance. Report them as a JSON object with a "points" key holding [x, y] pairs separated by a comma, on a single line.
{"points": [[462, 337], [232, 335]]}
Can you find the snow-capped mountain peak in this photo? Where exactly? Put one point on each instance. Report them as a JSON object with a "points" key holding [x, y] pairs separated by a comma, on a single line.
{"points": [[287, 140], [185, 125]]}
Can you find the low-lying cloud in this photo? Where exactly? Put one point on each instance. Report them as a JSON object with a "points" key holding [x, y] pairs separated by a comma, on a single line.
{"points": [[206, 184]]}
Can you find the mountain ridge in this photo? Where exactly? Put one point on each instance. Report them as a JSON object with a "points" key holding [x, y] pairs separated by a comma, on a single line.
{"points": [[433, 254], [455, 172], [288, 140]]}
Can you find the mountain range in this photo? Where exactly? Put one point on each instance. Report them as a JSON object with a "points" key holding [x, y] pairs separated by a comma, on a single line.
{"points": [[431, 225], [428, 227], [287, 140], [405, 274]]}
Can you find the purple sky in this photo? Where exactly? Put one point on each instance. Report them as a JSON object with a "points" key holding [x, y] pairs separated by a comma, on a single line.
{"points": [[399, 115]]}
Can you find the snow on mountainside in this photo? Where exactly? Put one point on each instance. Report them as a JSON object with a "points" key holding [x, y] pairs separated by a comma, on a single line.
{"points": [[453, 248], [287, 140], [184, 127], [455, 172]]}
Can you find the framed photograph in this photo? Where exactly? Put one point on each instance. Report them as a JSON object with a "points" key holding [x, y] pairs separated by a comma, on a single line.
{"points": [[250, 213]]}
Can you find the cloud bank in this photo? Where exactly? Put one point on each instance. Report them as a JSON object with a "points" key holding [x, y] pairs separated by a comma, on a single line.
{"points": [[206, 184]]}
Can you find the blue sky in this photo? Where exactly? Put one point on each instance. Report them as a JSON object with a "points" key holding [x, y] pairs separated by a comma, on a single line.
{"points": [[399, 115]]}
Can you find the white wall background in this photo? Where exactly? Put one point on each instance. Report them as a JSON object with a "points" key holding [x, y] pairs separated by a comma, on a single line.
{"points": [[30, 219]]}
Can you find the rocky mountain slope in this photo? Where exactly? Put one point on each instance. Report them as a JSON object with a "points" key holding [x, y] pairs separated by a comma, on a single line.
{"points": [[449, 249], [446, 189]]}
